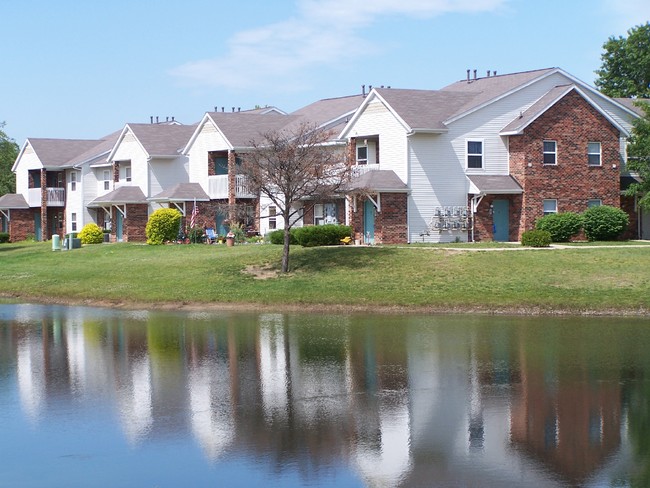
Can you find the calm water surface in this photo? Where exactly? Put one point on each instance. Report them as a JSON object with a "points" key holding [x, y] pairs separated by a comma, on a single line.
{"points": [[100, 398]]}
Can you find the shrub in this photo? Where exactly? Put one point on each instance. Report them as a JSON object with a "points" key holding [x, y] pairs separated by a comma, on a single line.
{"points": [[277, 237], [195, 235], [91, 234], [536, 238], [562, 226], [163, 225], [322, 235], [604, 223], [4, 237], [238, 231]]}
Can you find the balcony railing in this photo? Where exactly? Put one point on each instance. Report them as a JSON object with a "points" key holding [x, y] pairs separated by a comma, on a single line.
{"points": [[55, 197], [218, 187], [362, 169]]}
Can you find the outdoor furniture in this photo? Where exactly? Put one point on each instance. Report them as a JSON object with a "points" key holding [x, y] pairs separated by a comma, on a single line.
{"points": [[346, 240], [210, 236]]}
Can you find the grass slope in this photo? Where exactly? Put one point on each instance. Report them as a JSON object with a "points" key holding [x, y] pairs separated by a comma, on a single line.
{"points": [[578, 279]]}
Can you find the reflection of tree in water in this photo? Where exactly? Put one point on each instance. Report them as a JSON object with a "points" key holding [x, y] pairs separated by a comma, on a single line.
{"points": [[636, 393]]}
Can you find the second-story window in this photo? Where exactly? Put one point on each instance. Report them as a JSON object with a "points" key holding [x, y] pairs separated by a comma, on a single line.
{"points": [[550, 152], [127, 173], [73, 181], [273, 211], [362, 154], [475, 154], [593, 153], [107, 179]]}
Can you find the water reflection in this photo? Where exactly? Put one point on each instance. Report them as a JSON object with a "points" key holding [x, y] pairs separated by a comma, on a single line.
{"points": [[338, 400]]}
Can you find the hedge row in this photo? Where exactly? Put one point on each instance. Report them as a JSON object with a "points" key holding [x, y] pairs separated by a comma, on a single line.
{"points": [[313, 235], [602, 223]]}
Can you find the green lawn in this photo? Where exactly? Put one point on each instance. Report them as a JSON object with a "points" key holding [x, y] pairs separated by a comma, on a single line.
{"points": [[608, 280]]}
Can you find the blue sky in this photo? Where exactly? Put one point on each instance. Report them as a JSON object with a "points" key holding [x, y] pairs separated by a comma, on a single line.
{"points": [[83, 69]]}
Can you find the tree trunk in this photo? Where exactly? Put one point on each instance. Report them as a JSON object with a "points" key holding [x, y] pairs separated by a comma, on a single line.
{"points": [[285, 251]]}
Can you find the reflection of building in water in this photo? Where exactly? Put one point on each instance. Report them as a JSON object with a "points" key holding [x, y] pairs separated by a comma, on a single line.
{"points": [[31, 375], [565, 420]]}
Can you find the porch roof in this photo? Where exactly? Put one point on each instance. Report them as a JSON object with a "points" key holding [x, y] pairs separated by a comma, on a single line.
{"points": [[120, 196], [183, 192], [493, 185], [13, 201], [385, 181], [626, 181]]}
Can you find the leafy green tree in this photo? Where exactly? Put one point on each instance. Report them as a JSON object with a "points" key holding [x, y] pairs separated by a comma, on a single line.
{"points": [[8, 154], [638, 157], [625, 69]]}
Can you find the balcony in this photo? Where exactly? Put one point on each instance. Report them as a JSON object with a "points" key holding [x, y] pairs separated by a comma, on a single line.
{"points": [[55, 197], [362, 169], [218, 187]]}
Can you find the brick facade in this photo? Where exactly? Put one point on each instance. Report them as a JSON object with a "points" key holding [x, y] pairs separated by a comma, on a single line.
{"points": [[134, 225], [483, 220], [21, 224], [390, 223], [572, 122]]}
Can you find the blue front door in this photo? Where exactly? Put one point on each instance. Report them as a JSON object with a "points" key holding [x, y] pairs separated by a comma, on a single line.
{"points": [[500, 221], [119, 236], [37, 227], [369, 222]]}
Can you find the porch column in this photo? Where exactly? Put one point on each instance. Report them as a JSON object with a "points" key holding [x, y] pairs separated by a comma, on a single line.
{"points": [[44, 226], [232, 182], [352, 151]]}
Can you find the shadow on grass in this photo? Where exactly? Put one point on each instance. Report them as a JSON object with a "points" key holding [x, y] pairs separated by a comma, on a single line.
{"points": [[10, 248], [324, 258]]}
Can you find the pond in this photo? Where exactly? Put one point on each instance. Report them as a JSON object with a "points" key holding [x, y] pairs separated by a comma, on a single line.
{"points": [[94, 397]]}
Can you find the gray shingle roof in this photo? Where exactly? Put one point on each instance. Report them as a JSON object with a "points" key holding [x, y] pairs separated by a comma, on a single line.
{"points": [[536, 109], [240, 128], [57, 153], [424, 109], [631, 104], [120, 196], [103, 147], [182, 192], [162, 139], [377, 180], [329, 113], [13, 200], [495, 184]]}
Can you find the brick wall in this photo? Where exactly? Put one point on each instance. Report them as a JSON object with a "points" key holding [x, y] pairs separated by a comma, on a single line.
{"points": [[390, 224], [22, 224], [135, 223], [572, 123], [632, 232], [483, 223]]}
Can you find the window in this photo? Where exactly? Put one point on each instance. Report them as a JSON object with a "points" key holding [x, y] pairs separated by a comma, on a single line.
{"points": [[127, 173], [593, 153], [325, 214], [475, 154], [73, 222], [362, 154], [107, 179], [596, 202], [550, 152], [73, 181], [273, 211], [550, 207]]}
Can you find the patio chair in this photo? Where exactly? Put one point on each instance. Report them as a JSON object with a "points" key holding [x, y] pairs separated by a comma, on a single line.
{"points": [[210, 236]]}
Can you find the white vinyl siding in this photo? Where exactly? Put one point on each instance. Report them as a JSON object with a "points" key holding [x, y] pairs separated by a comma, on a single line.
{"points": [[28, 160], [129, 149], [208, 139], [474, 158]]}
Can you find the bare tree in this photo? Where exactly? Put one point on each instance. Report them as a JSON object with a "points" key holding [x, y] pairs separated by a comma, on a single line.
{"points": [[295, 165]]}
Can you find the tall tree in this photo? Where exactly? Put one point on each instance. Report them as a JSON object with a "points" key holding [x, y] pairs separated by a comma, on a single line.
{"points": [[294, 167], [638, 157], [625, 69], [8, 154]]}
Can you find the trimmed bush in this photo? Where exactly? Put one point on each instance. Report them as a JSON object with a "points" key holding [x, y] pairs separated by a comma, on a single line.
{"points": [[277, 237], [163, 226], [322, 235], [536, 238], [4, 237], [604, 223], [91, 234], [562, 226]]}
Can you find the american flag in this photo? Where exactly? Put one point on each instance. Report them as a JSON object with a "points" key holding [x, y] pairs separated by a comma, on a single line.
{"points": [[195, 213]]}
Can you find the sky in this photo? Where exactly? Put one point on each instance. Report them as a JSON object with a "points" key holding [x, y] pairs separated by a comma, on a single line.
{"points": [[82, 70]]}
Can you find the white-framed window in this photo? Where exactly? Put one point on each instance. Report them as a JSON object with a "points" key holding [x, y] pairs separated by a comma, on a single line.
{"points": [[593, 153], [273, 212], [107, 179], [73, 222], [474, 154], [325, 214], [73, 181], [362, 154], [127, 173], [594, 202], [550, 152], [550, 206]]}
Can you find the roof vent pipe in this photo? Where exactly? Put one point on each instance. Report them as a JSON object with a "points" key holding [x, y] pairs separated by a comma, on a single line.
{"points": [[223, 109], [167, 119], [151, 117], [474, 74], [173, 118], [488, 74], [363, 90], [369, 88], [233, 109], [495, 73], [216, 109], [468, 76], [238, 109], [157, 119]]}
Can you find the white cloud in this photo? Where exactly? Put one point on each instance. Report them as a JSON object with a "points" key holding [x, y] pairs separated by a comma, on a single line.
{"points": [[322, 34]]}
